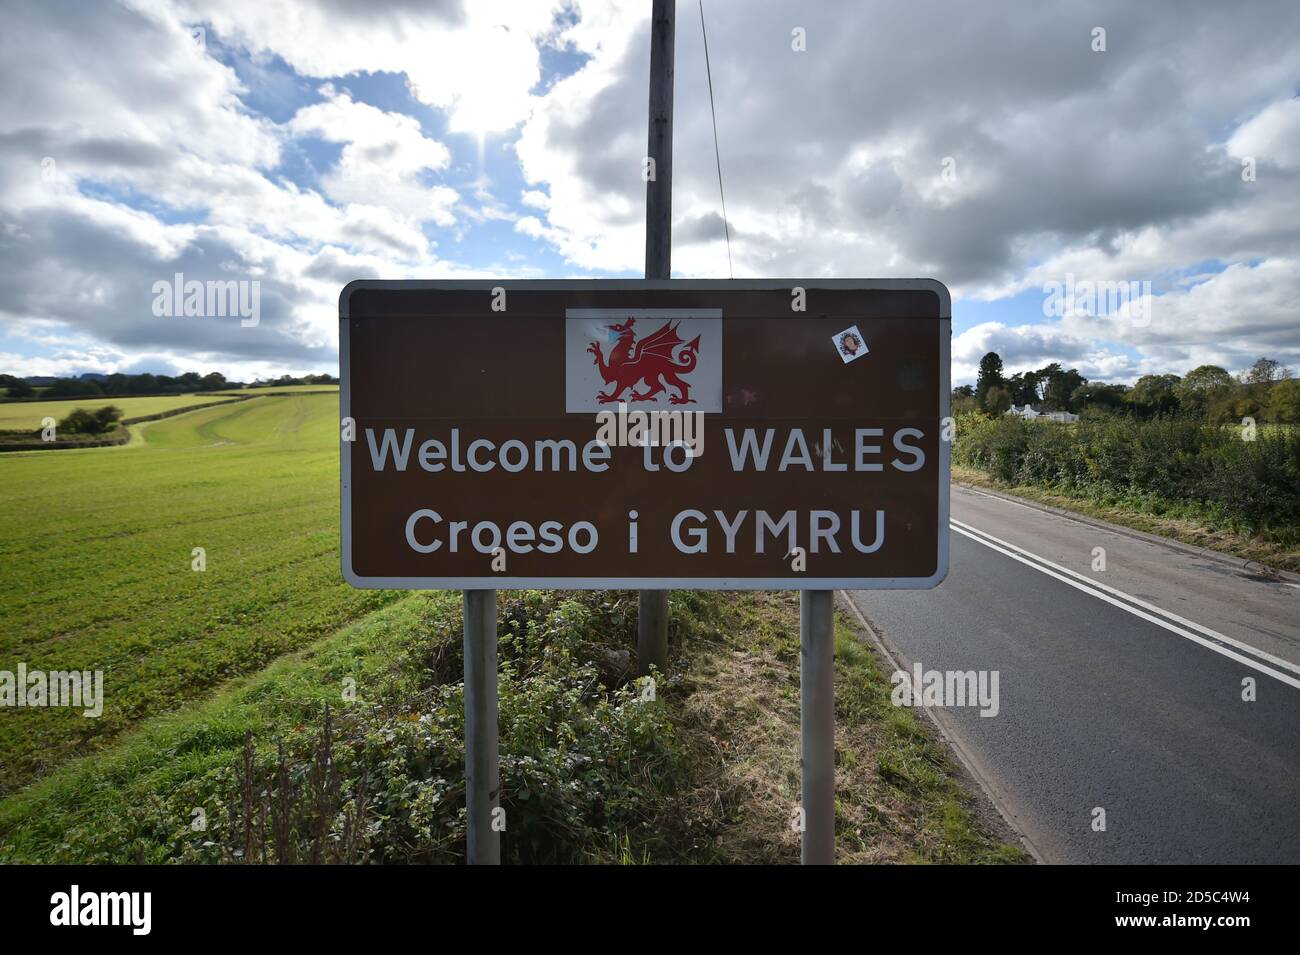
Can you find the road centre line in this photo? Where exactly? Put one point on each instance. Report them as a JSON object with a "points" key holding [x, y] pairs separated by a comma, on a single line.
{"points": [[1168, 614], [1218, 642]]}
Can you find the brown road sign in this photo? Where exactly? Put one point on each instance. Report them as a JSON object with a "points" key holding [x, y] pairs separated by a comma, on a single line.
{"points": [[778, 434]]}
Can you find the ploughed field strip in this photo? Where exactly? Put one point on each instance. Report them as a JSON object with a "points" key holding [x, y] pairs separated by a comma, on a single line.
{"points": [[98, 548]]}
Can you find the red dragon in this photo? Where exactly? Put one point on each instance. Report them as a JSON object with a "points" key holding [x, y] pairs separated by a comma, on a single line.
{"points": [[660, 356]]}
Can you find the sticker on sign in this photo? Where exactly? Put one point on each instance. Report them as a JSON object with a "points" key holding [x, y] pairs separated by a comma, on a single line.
{"points": [[645, 434]]}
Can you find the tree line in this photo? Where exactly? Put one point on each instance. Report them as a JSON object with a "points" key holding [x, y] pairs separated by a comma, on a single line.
{"points": [[124, 385], [1265, 391]]}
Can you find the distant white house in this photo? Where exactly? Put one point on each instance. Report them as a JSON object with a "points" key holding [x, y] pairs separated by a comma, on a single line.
{"points": [[1036, 413]]}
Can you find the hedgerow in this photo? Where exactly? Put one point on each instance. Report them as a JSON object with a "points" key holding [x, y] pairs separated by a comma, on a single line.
{"points": [[1250, 485]]}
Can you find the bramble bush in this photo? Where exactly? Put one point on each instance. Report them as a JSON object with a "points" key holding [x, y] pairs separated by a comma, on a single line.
{"points": [[590, 769], [1248, 485]]}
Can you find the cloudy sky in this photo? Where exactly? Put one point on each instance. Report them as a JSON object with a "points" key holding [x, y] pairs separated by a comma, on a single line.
{"points": [[989, 145]]}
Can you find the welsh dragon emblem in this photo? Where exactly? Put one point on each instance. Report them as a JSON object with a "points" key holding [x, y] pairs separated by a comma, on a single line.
{"points": [[662, 356]]}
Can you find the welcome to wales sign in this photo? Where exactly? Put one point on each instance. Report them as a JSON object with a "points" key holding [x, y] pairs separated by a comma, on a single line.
{"points": [[773, 434]]}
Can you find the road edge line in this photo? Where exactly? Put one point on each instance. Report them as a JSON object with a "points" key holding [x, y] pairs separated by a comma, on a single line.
{"points": [[1173, 628], [1209, 632], [967, 760]]}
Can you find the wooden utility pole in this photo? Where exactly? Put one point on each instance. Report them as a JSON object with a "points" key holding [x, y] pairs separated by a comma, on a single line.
{"points": [[652, 616], [659, 184]]}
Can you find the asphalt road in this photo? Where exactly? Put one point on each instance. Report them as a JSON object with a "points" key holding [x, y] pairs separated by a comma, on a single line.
{"points": [[1119, 688]]}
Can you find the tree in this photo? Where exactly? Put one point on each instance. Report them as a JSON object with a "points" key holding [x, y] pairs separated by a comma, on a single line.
{"points": [[20, 389], [1202, 387], [73, 388], [1098, 397], [1051, 385], [997, 400], [1265, 371], [81, 421], [1043, 378], [1060, 388], [963, 403], [1024, 388], [1154, 395], [1284, 402], [106, 418], [963, 400], [990, 376]]}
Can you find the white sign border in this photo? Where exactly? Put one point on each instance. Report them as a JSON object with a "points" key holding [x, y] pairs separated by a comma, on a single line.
{"points": [[653, 583]]}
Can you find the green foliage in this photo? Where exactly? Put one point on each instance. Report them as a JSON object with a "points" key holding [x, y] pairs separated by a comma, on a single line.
{"points": [[990, 376], [1096, 398], [99, 421], [963, 403], [1248, 485], [1154, 395], [1265, 371], [1201, 387], [79, 421], [997, 400], [1208, 393], [1061, 386], [73, 388], [1284, 402]]}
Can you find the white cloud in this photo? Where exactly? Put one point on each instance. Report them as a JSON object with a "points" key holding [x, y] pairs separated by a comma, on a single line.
{"points": [[383, 157], [1117, 166], [478, 61], [1107, 164], [1271, 137], [535, 198], [124, 102]]}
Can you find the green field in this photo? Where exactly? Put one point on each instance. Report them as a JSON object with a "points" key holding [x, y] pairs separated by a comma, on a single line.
{"points": [[27, 415], [96, 545]]}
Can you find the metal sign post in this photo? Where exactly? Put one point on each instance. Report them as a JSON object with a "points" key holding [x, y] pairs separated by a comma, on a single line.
{"points": [[817, 724], [482, 773]]}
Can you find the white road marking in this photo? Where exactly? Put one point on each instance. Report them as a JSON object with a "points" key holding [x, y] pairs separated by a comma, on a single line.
{"points": [[1104, 592], [1169, 614]]}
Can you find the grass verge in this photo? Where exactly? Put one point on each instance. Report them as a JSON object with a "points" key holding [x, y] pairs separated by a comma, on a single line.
{"points": [[592, 769]]}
